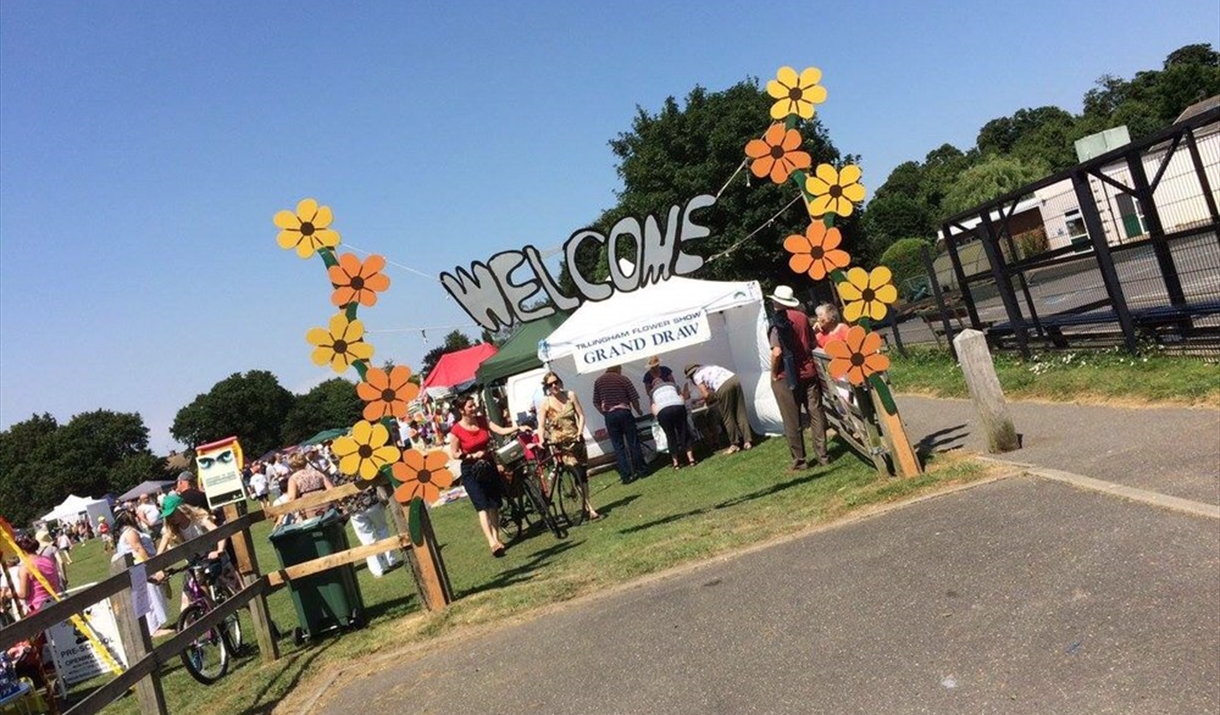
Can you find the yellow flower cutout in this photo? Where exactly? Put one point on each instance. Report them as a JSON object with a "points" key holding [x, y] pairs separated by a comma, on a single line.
{"points": [[341, 345], [307, 230], [796, 95], [865, 294], [421, 475], [834, 191], [366, 451]]}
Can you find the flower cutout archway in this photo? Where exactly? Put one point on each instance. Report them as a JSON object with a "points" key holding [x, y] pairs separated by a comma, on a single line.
{"points": [[828, 191], [369, 450]]}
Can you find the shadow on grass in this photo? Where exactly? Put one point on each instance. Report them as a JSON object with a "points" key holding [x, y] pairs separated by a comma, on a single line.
{"points": [[522, 572], [758, 494], [298, 664]]}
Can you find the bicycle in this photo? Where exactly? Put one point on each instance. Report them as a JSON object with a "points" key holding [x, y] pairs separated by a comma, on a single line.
{"points": [[564, 492], [524, 500], [208, 583]]}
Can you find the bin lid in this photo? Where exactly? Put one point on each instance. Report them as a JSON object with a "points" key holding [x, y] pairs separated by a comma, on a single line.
{"points": [[305, 525]]}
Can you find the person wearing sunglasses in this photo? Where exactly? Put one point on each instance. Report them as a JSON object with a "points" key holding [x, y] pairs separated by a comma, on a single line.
{"points": [[562, 420]]}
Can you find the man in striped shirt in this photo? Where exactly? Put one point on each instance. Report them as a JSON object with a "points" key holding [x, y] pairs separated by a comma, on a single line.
{"points": [[615, 397]]}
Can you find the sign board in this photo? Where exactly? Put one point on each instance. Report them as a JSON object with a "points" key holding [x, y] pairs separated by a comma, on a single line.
{"points": [[624, 344], [220, 472], [76, 657]]}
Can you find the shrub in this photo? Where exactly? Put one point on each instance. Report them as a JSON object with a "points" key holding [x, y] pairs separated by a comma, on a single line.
{"points": [[904, 258]]}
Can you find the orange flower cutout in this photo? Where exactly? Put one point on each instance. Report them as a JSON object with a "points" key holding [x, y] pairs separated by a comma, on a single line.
{"points": [[817, 252], [857, 356], [777, 154], [357, 282], [421, 475], [387, 394]]}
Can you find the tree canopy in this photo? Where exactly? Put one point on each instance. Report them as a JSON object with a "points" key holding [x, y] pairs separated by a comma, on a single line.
{"points": [[251, 407], [330, 405], [696, 147], [1037, 140], [95, 453]]}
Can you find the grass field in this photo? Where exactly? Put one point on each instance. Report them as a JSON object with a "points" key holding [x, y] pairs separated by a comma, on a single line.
{"points": [[1110, 376], [722, 505]]}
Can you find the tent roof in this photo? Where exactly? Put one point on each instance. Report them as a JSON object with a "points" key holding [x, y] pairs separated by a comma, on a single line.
{"points": [[674, 297], [457, 369], [70, 507], [520, 353], [147, 487]]}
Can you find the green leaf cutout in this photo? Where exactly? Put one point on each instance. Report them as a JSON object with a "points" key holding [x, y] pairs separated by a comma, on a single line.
{"points": [[415, 521]]}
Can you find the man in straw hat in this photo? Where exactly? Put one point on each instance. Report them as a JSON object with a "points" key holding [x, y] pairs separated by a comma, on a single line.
{"points": [[794, 377]]}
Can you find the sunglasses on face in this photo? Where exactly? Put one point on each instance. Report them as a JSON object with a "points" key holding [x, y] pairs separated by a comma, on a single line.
{"points": [[553, 384]]}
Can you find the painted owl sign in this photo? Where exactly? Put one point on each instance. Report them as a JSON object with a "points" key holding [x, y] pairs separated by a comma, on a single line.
{"points": [[220, 465]]}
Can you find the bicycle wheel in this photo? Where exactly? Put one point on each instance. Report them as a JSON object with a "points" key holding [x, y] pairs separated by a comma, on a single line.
{"points": [[568, 492], [543, 508], [232, 624], [207, 657]]}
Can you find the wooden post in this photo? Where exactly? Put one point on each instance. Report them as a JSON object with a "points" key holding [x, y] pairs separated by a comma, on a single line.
{"points": [[903, 456], [427, 567], [137, 642], [247, 567], [985, 391], [425, 562]]}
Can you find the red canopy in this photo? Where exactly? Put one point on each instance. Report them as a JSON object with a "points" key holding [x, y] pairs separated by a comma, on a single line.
{"points": [[456, 370]]}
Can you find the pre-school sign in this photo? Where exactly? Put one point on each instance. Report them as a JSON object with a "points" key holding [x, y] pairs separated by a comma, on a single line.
{"points": [[619, 345]]}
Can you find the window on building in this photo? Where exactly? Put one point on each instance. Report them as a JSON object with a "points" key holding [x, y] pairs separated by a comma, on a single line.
{"points": [[1077, 233]]}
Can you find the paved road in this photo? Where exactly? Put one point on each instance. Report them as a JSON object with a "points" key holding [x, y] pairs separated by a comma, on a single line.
{"points": [[1174, 451], [1018, 596]]}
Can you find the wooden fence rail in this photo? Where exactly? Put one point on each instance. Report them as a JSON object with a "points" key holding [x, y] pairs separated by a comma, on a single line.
{"points": [[145, 661]]}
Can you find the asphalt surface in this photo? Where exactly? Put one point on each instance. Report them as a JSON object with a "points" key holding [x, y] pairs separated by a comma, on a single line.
{"points": [[1021, 596], [1173, 451], [1018, 596]]}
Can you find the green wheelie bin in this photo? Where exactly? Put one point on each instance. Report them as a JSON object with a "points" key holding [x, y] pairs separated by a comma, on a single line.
{"points": [[324, 601]]}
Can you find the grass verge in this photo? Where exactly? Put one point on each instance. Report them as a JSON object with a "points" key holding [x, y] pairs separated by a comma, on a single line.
{"points": [[724, 504], [1110, 377]]}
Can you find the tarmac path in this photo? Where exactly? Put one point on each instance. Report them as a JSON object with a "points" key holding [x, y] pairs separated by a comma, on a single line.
{"points": [[1022, 596]]}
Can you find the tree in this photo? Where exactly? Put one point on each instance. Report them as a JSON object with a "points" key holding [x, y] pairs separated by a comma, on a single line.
{"points": [[27, 460], [991, 179], [332, 404], [455, 340], [251, 407], [1200, 54], [895, 216], [682, 151], [95, 453], [93, 444]]}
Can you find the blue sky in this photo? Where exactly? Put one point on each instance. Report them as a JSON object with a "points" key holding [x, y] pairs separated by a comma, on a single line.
{"points": [[144, 148]]}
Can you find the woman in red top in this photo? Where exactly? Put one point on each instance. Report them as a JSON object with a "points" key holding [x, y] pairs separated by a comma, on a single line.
{"points": [[470, 442]]}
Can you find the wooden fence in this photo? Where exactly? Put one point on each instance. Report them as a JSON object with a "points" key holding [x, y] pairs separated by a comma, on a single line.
{"points": [[145, 661]]}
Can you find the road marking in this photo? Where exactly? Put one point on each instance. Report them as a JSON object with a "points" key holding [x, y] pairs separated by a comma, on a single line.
{"points": [[1211, 511]]}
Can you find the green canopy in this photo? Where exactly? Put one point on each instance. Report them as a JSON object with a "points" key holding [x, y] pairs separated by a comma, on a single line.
{"points": [[520, 353], [324, 435]]}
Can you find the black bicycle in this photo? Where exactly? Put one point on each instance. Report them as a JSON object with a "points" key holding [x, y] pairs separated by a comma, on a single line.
{"points": [[563, 491], [525, 502]]}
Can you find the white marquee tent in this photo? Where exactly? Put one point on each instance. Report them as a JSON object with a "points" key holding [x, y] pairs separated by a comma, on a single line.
{"points": [[683, 321], [74, 506]]}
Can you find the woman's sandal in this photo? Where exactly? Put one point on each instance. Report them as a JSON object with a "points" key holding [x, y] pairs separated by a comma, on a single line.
{"points": [[595, 517], [498, 552]]}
